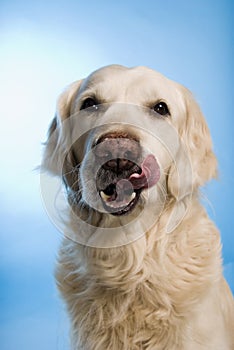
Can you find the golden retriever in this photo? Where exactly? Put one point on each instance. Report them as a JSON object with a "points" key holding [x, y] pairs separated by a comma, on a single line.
{"points": [[140, 265]]}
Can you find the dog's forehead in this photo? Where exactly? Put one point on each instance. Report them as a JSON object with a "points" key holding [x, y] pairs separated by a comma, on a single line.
{"points": [[119, 83]]}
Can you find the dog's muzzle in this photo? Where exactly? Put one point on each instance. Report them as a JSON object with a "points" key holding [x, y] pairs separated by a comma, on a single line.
{"points": [[123, 173]]}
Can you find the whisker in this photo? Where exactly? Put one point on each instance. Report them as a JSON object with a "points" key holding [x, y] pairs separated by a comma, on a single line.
{"points": [[73, 170]]}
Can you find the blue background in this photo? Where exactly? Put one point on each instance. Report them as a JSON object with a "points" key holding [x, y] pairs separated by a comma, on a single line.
{"points": [[45, 46]]}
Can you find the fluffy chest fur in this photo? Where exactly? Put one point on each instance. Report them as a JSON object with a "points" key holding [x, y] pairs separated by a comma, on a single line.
{"points": [[141, 296]]}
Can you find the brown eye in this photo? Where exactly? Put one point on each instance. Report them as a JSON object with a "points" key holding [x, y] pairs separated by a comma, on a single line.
{"points": [[161, 108], [89, 102]]}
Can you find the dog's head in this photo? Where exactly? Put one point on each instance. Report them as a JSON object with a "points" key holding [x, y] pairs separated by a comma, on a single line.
{"points": [[123, 134]]}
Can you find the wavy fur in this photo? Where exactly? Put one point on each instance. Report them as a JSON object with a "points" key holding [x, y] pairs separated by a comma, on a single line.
{"points": [[162, 291]]}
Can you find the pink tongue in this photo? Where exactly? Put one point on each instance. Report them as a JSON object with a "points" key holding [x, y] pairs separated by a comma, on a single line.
{"points": [[149, 176]]}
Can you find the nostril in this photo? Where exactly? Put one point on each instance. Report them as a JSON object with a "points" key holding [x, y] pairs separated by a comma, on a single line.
{"points": [[112, 164], [118, 164], [125, 164]]}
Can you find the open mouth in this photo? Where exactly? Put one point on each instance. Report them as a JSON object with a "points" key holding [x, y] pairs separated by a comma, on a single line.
{"points": [[121, 196], [118, 199]]}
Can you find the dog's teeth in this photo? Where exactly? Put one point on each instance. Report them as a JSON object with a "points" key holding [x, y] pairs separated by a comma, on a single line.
{"points": [[133, 195], [104, 196]]}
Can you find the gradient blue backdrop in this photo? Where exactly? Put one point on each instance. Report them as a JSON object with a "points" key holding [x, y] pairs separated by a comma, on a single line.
{"points": [[44, 46]]}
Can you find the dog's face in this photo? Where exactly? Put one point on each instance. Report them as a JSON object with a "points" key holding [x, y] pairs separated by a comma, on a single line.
{"points": [[126, 138]]}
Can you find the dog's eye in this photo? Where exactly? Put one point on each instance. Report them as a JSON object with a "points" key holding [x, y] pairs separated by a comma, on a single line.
{"points": [[89, 102], [161, 108]]}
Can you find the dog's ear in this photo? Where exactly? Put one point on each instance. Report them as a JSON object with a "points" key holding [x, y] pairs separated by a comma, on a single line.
{"points": [[195, 162], [197, 138], [55, 149]]}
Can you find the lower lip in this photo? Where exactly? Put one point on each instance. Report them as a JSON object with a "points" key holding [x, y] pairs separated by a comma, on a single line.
{"points": [[126, 210]]}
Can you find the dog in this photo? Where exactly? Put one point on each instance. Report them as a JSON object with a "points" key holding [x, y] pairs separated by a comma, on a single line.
{"points": [[140, 263]]}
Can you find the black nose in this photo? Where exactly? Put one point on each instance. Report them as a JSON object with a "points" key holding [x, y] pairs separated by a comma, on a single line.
{"points": [[118, 164], [117, 152]]}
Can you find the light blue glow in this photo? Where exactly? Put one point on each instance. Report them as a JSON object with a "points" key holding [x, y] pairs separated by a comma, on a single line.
{"points": [[46, 45]]}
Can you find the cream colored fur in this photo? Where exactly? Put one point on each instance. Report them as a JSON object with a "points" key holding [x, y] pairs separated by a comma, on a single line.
{"points": [[164, 291]]}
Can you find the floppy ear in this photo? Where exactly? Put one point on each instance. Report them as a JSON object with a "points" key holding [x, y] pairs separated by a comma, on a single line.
{"points": [[197, 138], [54, 153], [194, 163]]}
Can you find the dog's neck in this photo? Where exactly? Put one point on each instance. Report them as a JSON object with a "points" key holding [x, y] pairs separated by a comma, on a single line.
{"points": [[154, 279], [136, 265]]}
